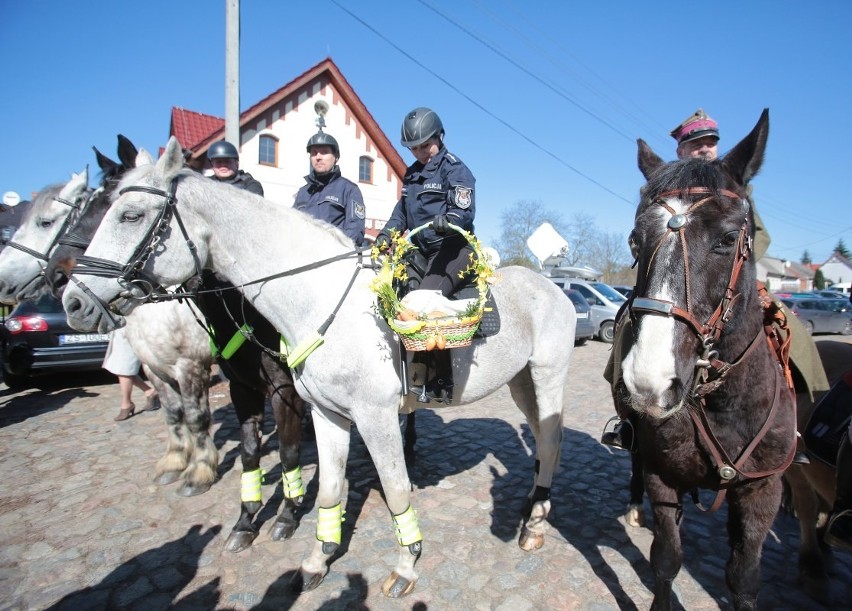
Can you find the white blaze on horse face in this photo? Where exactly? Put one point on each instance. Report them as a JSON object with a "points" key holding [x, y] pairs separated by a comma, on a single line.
{"points": [[649, 368]]}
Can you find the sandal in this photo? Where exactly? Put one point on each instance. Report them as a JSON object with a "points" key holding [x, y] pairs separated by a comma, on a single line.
{"points": [[152, 402], [124, 414]]}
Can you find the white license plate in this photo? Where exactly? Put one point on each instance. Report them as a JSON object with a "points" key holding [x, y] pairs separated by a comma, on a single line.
{"points": [[83, 338], [582, 314]]}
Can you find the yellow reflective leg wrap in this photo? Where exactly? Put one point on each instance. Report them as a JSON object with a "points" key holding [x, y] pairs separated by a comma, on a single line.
{"points": [[328, 524], [292, 484], [250, 486], [407, 527]]}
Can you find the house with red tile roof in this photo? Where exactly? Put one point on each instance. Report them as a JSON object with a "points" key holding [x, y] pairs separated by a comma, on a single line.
{"points": [[274, 133]]}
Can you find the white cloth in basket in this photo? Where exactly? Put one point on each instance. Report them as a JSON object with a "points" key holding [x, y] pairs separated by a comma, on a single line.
{"points": [[425, 303]]}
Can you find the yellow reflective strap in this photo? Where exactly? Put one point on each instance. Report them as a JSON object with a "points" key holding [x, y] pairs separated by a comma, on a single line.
{"points": [[213, 349], [283, 348], [328, 524], [407, 528], [301, 352], [250, 486], [236, 341], [292, 484]]}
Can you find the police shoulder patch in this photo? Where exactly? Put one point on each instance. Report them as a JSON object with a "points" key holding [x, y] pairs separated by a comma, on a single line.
{"points": [[358, 208], [462, 197]]}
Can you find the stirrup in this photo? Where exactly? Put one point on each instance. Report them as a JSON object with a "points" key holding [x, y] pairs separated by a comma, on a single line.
{"points": [[835, 540], [621, 436], [434, 390]]}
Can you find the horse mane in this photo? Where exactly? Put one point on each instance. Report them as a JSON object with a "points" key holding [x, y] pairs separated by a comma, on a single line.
{"points": [[133, 176], [43, 199]]}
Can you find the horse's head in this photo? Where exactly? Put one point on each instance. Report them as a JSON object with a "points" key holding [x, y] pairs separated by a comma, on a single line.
{"points": [[692, 242], [80, 232], [131, 254], [22, 261]]}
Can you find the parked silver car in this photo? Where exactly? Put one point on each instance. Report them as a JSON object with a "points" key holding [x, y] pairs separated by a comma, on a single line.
{"points": [[585, 329], [821, 314], [604, 300]]}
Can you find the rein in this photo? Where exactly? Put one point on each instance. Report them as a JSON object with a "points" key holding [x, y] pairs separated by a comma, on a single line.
{"points": [[141, 287], [710, 371]]}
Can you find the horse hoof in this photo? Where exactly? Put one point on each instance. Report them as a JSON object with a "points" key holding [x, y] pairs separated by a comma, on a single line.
{"points": [[193, 489], [530, 541], [635, 516], [169, 477], [305, 582], [279, 531], [397, 586], [238, 541]]}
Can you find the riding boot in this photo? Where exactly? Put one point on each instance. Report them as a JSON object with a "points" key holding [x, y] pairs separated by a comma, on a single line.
{"points": [[839, 531], [440, 387]]}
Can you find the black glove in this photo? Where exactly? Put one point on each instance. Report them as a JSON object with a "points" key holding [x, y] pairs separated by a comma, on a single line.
{"points": [[441, 224], [383, 242]]}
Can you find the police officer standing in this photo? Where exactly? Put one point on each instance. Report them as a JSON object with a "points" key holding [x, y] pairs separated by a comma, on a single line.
{"points": [[327, 195], [225, 161], [437, 188]]}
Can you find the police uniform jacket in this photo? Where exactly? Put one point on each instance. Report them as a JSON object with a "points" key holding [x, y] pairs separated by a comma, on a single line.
{"points": [[243, 180], [335, 200], [442, 186]]}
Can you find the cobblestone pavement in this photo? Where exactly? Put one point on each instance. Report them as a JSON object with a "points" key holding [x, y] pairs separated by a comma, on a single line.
{"points": [[82, 526]]}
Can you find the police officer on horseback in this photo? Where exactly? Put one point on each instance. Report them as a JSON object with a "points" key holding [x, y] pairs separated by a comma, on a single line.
{"points": [[438, 188], [327, 195], [225, 161]]}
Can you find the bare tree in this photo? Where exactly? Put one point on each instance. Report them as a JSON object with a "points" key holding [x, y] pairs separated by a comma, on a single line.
{"points": [[518, 223]]}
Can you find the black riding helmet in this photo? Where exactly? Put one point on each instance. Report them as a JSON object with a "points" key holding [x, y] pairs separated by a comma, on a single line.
{"points": [[222, 149], [323, 139], [420, 125]]}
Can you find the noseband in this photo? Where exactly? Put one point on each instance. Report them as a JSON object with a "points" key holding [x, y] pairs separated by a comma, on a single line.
{"points": [[709, 332]]}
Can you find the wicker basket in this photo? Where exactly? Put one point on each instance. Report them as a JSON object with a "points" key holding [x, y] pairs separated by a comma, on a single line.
{"points": [[457, 333]]}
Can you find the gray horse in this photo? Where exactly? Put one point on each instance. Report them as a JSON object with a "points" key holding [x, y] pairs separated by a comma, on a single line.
{"points": [[324, 301]]}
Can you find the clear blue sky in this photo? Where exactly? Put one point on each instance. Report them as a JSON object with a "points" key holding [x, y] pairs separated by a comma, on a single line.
{"points": [[543, 101]]}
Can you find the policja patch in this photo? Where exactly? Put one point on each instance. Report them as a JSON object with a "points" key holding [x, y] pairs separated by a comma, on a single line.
{"points": [[461, 198], [358, 208]]}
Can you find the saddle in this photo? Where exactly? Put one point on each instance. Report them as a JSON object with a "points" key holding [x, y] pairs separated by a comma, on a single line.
{"points": [[829, 421]]}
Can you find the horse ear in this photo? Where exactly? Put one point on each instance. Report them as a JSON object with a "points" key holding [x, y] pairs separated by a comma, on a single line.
{"points": [[78, 182], [648, 160], [744, 160], [104, 163], [171, 161], [126, 152], [143, 158]]}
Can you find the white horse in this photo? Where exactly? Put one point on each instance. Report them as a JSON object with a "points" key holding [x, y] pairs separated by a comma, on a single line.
{"points": [[23, 259], [353, 376], [179, 368]]}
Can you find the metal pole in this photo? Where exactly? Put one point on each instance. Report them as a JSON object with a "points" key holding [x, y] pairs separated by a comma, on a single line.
{"points": [[232, 72]]}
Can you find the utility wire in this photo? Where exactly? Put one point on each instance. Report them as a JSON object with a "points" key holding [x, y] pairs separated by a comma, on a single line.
{"points": [[555, 90], [481, 107]]}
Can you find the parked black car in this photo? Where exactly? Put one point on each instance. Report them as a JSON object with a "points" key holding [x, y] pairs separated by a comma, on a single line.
{"points": [[585, 328], [36, 339]]}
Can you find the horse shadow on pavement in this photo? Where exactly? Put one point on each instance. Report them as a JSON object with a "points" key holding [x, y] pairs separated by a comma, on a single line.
{"points": [[21, 406]]}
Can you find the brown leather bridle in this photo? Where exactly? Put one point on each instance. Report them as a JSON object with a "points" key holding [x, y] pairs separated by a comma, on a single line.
{"points": [[710, 370]]}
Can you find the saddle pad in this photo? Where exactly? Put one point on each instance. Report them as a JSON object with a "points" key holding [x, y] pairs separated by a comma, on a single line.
{"points": [[829, 422]]}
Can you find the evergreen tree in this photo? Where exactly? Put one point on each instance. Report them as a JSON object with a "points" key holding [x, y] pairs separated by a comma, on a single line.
{"points": [[819, 280], [806, 258], [841, 249]]}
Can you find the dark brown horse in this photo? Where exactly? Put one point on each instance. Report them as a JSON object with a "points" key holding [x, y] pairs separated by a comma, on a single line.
{"points": [[715, 412]]}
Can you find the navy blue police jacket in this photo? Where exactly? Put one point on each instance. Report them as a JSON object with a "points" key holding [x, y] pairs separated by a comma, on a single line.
{"points": [[243, 180], [336, 200], [442, 186]]}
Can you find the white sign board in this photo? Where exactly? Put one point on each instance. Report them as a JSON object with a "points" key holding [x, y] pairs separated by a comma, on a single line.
{"points": [[545, 243], [11, 199]]}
